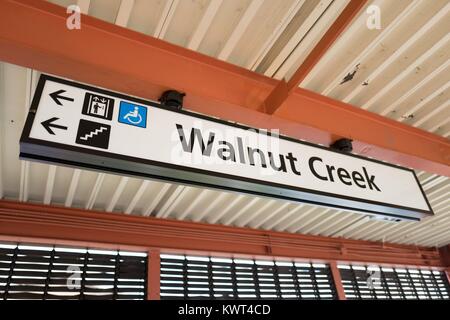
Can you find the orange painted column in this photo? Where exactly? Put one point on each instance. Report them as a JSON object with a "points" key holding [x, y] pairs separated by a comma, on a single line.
{"points": [[447, 273], [153, 276], [337, 280]]}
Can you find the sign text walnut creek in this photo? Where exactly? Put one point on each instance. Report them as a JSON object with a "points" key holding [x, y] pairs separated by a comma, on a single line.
{"points": [[228, 151], [79, 125]]}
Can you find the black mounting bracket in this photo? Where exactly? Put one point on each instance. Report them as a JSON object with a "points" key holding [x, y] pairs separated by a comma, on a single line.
{"points": [[344, 145], [172, 98]]}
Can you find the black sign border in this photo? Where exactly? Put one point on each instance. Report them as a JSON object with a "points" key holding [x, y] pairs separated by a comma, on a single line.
{"points": [[25, 139]]}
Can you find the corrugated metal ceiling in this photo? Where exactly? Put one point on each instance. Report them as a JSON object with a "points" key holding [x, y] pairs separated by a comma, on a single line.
{"points": [[402, 72]]}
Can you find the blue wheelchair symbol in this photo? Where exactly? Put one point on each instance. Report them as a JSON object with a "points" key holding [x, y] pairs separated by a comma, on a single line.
{"points": [[133, 114]]}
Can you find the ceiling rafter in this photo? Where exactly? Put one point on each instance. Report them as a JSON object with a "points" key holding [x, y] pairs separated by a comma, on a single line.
{"points": [[124, 12], [400, 51], [406, 72], [203, 25], [242, 25], [117, 193], [95, 190], [368, 50], [165, 19], [137, 196], [257, 58], [279, 95]]}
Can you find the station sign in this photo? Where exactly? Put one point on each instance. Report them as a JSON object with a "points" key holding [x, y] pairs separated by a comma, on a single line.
{"points": [[79, 125]]}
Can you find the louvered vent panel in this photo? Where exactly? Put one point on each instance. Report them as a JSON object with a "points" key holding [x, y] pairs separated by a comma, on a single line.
{"points": [[32, 272], [373, 282], [187, 277]]}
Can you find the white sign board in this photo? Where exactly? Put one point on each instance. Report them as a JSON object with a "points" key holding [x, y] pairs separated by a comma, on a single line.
{"points": [[74, 124]]}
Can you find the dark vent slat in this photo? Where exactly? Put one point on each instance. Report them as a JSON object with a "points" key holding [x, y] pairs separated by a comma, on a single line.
{"points": [[184, 278], [44, 274], [396, 284]]}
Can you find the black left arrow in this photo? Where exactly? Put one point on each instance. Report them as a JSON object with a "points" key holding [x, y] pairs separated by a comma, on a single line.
{"points": [[56, 96], [48, 124]]}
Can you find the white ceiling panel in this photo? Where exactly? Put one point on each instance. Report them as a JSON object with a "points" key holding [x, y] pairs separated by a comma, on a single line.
{"points": [[400, 71]]}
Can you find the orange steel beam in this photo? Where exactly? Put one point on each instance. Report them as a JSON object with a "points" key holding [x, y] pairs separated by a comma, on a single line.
{"points": [[33, 34], [337, 280], [282, 91], [24, 221]]}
